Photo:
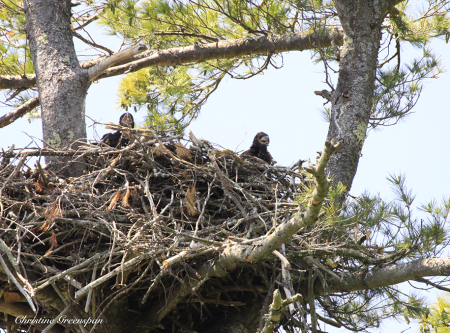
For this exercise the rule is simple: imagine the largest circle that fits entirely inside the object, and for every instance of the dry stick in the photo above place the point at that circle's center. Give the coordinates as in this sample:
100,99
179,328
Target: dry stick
204,206
90,19
80,293
149,196
121,292
150,222
287,284
65,300
68,271
153,285
312,307
18,166
227,181
284,261
87,41
185,255
293,299
46,269
312,262
13,279
13,262
198,239
55,321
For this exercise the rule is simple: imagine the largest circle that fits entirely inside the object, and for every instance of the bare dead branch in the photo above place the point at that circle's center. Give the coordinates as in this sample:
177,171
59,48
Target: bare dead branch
102,66
10,117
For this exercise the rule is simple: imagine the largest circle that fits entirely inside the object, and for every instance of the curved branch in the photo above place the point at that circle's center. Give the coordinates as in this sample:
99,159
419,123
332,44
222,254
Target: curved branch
19,112
90,19
87,41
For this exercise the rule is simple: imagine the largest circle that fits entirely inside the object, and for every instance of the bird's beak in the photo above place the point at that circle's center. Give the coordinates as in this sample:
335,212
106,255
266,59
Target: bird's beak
264,140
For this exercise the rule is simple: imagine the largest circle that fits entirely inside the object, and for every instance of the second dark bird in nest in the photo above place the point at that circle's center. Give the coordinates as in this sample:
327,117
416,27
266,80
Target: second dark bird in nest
259,148
119,139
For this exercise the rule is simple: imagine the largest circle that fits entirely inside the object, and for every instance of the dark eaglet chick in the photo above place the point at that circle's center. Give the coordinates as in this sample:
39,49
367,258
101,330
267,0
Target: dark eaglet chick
259,148
118,139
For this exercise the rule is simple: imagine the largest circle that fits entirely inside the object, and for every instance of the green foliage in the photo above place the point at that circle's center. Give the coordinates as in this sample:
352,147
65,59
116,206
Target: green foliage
171,95
437,318
398,90
418,27
393,230
15,58
425,237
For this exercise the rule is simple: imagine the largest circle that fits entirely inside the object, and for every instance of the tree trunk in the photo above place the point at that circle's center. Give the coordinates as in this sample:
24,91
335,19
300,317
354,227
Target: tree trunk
353,98
61,82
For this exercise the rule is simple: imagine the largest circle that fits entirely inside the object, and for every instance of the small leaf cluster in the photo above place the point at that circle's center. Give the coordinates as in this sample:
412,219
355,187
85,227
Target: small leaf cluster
437,319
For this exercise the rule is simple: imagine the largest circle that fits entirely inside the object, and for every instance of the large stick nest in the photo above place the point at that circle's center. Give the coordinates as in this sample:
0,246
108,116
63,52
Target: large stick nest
141,220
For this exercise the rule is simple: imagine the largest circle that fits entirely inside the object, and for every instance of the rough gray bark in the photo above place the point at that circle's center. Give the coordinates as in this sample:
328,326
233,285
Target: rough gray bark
62,83
352,99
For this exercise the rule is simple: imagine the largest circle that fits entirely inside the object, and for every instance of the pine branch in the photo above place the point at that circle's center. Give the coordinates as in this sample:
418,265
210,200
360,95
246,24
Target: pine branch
227,49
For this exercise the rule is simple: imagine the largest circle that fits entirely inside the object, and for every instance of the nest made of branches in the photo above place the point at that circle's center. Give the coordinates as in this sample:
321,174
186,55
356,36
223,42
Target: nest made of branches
142,218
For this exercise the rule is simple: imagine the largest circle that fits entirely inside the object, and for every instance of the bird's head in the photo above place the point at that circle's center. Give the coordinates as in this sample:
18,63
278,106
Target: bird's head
261,139
127,120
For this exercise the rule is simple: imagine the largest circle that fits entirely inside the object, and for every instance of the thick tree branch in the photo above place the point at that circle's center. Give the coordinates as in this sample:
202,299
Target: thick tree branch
189,54
19,112
229,49
17,81
386,276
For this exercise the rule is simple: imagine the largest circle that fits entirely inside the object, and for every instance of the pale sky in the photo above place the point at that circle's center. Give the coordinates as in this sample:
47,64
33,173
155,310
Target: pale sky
282,103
